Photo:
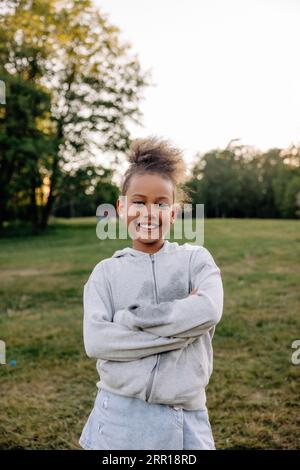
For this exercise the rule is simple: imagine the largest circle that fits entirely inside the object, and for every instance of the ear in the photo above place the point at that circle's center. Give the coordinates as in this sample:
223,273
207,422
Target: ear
173,213
119,209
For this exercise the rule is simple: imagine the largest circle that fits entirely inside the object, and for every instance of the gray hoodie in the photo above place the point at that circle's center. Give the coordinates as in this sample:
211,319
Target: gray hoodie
151,340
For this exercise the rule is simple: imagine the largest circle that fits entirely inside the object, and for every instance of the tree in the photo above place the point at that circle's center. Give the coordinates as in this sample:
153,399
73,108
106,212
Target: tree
218,183
68,48
83,189
291,200
24,148
241,181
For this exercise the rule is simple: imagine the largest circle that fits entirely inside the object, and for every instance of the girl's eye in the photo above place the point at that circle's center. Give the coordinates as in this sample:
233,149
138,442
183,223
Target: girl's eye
161,204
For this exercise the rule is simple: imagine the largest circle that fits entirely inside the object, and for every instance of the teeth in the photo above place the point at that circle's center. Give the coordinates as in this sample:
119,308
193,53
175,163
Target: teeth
147,226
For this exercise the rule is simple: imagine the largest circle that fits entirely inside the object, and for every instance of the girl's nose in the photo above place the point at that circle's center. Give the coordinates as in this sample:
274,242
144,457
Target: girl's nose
152,212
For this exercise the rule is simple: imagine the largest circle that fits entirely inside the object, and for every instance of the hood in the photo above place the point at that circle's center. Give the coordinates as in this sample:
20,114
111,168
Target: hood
128,251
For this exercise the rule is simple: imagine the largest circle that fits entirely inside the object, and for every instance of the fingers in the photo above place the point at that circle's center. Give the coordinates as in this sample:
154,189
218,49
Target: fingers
193,291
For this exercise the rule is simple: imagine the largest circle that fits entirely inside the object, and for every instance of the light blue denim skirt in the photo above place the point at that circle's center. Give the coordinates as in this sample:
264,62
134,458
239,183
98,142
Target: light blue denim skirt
118,422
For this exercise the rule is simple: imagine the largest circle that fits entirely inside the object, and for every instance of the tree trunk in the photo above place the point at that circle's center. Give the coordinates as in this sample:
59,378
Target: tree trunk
33,208
49,204
54,177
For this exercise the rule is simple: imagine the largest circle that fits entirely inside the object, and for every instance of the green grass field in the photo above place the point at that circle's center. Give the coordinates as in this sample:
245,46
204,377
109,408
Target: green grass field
253,395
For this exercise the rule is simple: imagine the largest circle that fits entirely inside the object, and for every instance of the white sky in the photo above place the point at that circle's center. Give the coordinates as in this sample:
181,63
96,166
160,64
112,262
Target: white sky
223,69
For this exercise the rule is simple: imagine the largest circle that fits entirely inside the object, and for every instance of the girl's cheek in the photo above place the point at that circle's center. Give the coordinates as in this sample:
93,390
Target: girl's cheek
166,219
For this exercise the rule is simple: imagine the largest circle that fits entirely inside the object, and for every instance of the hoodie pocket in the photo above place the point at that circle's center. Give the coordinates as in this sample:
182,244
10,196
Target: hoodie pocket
127,378
199,353
196,353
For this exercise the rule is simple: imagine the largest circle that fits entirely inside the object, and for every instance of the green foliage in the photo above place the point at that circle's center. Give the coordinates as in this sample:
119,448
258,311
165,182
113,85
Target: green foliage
25,147
82,190
291,201
240,181
85,89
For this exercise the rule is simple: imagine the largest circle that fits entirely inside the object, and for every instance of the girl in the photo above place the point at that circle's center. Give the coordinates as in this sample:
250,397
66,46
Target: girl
150,313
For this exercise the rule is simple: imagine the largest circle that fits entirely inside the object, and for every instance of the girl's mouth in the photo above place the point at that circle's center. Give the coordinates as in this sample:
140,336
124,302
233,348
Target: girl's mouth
147,227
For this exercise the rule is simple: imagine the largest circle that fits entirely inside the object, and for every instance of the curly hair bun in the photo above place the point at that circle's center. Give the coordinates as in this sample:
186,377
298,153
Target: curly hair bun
159,155
156,155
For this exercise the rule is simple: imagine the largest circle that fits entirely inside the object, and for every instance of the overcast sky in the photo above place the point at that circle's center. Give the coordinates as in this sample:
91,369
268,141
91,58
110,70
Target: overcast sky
224,69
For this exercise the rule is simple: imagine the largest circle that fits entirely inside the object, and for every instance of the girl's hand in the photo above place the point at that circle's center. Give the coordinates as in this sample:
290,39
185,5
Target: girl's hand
194,291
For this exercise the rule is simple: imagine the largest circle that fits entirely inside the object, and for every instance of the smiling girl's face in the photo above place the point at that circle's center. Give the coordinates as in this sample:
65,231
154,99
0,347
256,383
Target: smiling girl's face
146,222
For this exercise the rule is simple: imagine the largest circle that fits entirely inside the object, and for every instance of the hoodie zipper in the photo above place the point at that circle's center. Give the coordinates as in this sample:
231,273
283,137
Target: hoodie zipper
150,382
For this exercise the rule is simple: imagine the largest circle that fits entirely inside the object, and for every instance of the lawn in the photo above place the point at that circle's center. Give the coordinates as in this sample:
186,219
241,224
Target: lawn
253,395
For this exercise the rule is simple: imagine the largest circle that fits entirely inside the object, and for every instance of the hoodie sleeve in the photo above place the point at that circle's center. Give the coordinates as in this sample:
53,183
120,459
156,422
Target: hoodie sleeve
186,318
104,339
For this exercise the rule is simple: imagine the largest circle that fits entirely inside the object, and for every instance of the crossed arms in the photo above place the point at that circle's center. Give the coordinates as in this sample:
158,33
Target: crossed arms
139,331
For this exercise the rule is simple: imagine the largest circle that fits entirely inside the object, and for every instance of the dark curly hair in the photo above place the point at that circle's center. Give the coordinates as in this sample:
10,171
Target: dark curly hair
157,155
